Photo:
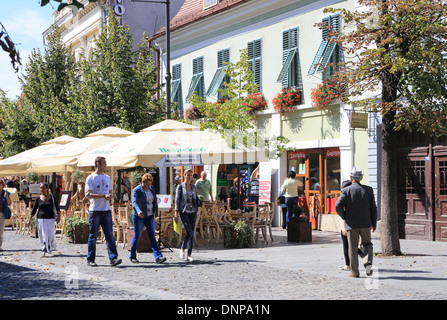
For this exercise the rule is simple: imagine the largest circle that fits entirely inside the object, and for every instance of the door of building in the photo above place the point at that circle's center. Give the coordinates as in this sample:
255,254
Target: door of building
318,170
440,198
422,204
414,202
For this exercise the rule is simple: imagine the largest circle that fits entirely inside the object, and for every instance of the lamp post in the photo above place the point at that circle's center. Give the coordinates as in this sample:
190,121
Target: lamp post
168,55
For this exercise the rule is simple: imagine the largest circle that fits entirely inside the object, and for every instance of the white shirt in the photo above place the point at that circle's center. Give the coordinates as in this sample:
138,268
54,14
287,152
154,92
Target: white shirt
150,204
98,184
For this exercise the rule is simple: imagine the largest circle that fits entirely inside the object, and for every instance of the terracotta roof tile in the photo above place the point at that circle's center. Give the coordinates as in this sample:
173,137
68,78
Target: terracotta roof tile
192,11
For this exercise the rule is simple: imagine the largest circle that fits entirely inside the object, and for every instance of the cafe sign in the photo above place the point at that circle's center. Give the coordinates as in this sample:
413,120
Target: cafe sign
359,120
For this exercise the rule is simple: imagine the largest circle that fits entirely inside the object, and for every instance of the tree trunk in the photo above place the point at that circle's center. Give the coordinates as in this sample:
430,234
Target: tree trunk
389,230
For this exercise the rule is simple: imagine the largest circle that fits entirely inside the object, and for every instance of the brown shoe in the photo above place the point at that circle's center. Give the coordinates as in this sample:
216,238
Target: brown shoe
354,276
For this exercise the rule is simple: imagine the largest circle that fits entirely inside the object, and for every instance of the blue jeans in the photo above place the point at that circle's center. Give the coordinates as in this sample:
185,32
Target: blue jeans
138,224
103,219
291,202
189,223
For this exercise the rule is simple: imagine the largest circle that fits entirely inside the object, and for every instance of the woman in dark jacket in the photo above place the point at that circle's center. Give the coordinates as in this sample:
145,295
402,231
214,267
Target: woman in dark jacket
47,210
186,206
145,210
5,213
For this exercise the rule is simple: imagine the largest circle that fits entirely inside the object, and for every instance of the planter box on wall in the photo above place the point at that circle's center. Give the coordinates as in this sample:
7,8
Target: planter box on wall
144,245
299,231
80,234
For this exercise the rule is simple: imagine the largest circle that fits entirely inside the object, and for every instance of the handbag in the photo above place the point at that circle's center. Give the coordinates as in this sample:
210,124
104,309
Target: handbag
281,200
54,209
198,202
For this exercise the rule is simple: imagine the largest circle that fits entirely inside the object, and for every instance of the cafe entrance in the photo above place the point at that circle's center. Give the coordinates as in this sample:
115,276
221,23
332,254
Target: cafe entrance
318,170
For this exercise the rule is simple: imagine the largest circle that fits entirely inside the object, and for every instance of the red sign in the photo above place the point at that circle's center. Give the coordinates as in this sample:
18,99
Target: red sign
333,153
296,155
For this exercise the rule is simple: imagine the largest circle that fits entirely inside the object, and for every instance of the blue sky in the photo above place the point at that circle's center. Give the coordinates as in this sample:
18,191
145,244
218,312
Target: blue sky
25,21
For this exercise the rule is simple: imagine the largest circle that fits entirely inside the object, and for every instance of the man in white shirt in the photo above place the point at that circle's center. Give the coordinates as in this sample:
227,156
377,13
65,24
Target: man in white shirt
98,188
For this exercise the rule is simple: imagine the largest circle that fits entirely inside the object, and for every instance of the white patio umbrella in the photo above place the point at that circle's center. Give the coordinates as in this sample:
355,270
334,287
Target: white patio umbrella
19,163
169,137
66,156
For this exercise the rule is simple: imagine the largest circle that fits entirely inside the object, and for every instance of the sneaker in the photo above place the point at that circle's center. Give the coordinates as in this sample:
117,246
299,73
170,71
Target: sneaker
92,263
190,259
368,269
134,260
160,260
115,262
182,254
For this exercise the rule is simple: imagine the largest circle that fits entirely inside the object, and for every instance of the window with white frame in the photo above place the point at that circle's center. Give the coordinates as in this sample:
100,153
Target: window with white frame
290,74
176,90
328,53
255,60
197,83
219,77
209,3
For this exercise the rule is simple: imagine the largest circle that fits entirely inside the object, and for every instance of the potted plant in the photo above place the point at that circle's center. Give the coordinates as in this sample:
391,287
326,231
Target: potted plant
287,100
32,177
77,229
144,245
78,176
192,113
324,93
238,235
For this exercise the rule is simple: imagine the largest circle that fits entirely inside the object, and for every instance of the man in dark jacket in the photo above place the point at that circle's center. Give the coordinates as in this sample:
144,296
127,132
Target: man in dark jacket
357,206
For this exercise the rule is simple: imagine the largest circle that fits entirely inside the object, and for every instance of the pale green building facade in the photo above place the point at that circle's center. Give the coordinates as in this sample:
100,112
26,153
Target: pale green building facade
322,143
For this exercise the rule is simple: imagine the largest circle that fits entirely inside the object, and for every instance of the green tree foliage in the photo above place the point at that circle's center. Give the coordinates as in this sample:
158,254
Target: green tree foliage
116,83
395,49
45,89
114,87
232,113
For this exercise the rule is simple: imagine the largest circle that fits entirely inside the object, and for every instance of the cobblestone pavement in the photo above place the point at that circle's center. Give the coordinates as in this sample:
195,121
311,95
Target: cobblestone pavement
279,271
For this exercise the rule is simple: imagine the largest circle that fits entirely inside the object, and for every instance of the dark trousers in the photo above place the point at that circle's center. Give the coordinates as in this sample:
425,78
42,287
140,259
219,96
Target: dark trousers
103,219
189,223
291,202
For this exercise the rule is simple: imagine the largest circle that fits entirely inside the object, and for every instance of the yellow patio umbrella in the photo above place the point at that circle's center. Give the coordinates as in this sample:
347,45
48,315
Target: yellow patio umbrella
66,156
19,163
172,138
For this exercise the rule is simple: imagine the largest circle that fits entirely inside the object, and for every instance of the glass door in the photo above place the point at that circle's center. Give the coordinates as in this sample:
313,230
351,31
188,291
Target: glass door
313,184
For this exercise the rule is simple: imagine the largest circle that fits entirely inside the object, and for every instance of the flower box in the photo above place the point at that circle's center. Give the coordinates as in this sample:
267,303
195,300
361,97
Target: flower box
287,100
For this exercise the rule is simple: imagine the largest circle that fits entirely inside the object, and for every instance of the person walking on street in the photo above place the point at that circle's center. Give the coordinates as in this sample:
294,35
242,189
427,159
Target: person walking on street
204,188
145,210
98,188
186,208
290,188
48,212
357,206
5,213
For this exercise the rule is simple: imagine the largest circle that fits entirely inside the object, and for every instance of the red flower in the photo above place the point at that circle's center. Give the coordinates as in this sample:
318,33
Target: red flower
287,100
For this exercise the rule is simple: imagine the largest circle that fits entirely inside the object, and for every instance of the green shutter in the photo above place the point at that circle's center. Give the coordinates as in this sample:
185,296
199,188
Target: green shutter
219,75
286,64
194,86
175,86
216,82
255,56
176,90
197,83
326,48
335,23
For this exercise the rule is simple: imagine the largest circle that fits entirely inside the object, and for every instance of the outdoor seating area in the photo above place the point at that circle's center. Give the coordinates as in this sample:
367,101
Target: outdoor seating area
67,161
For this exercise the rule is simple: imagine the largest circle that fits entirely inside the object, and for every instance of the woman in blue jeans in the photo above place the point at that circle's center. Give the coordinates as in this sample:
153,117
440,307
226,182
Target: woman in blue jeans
145,209
186,206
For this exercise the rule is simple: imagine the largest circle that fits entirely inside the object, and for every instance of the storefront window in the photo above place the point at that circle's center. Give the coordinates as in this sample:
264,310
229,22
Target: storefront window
333,169
297,163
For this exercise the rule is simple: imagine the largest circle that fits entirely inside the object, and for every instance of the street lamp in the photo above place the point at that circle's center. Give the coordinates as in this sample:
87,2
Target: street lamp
168,54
